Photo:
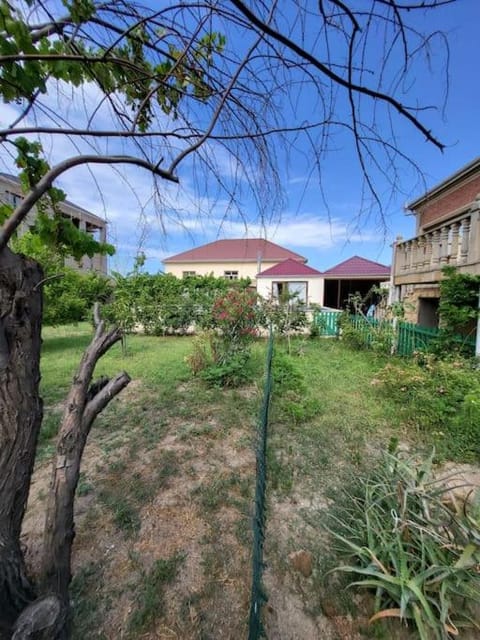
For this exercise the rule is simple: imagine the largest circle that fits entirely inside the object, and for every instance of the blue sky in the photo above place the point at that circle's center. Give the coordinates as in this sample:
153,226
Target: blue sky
174,219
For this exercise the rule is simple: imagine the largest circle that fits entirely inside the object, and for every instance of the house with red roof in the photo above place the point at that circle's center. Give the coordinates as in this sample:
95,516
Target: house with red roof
231,259
276,271
291,278
355,275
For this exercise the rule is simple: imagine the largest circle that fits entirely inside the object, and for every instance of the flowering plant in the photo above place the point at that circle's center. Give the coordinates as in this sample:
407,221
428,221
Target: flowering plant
235,316
223,354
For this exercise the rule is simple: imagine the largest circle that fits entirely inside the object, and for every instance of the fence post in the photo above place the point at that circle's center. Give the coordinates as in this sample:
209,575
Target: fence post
395,337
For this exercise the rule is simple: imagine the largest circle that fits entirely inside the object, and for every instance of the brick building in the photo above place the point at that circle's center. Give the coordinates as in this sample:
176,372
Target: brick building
447,233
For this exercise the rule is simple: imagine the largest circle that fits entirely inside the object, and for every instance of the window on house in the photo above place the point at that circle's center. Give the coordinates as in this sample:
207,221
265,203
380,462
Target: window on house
187,274
294,291
230,275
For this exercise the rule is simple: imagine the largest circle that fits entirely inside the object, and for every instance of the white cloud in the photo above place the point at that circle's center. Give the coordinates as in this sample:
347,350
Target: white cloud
153,215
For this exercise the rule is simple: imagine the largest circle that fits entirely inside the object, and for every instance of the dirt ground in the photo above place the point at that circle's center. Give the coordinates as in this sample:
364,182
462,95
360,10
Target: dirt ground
191,485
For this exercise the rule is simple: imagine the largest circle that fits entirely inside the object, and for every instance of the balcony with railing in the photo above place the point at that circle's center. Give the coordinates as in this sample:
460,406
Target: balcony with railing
456,243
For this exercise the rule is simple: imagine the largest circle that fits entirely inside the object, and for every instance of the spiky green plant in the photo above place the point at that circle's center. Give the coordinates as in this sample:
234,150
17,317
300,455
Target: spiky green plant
402,539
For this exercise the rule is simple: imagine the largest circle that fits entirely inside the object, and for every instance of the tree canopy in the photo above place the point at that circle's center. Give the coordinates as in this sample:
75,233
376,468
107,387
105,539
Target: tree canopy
186,82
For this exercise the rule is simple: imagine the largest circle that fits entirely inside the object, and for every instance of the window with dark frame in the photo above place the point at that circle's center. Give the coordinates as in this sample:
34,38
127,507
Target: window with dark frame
230,275
297,290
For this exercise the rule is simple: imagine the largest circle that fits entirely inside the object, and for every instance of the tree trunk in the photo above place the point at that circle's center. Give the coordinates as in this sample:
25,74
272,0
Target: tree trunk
20,421
20,418
59,525
85,401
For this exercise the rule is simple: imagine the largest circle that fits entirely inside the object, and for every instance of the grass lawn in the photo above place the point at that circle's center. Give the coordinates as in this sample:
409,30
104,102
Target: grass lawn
164,503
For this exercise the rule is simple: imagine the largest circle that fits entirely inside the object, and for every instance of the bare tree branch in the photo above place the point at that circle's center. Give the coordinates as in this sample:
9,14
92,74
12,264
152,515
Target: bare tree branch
377,95
45,183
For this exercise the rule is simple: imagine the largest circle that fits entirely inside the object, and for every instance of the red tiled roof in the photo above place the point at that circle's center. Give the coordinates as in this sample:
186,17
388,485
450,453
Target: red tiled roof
356,267
289,268
246,250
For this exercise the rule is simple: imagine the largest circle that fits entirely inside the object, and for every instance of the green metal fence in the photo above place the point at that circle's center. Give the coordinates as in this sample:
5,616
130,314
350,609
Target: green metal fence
327,322
411,337
405,337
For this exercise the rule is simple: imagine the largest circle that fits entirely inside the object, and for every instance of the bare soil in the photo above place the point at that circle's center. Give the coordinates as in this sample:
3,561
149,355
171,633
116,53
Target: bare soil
200,480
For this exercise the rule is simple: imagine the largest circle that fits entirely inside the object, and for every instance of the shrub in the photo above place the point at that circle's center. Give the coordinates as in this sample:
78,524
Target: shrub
362,333
439,398
162,304
221,355
71,296
458,310
402,542
235,316
233,371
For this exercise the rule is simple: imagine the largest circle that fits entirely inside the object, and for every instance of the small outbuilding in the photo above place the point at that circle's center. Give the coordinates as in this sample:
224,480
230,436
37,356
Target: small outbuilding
291,277
355,275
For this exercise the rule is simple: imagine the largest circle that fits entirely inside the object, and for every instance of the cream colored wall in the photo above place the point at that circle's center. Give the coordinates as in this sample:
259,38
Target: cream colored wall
245,269
315,288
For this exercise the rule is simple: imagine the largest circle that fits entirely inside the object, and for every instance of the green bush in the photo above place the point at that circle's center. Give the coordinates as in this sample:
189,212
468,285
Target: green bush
400,541
162,304
458,311
349,334
361,333
438,398
68,294
70,298
231,371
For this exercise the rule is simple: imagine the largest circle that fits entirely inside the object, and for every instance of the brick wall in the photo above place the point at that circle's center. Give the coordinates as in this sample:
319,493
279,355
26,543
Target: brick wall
454,200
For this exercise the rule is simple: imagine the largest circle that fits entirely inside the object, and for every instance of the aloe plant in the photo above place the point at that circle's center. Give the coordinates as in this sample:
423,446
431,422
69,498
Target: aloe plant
400,539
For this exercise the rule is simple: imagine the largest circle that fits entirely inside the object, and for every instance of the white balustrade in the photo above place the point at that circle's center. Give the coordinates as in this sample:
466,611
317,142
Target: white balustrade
449,244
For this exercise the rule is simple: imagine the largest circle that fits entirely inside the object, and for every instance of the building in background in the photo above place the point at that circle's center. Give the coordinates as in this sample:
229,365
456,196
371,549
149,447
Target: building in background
230,259
353,276
11,193
447,233
291,279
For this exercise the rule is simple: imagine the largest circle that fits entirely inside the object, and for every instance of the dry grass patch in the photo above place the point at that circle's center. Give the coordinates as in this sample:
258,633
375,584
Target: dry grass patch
163,510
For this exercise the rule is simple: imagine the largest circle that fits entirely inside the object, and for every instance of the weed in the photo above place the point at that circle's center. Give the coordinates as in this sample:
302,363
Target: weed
149,600
118,466
83,487
439,398
168,467
125,515
280,472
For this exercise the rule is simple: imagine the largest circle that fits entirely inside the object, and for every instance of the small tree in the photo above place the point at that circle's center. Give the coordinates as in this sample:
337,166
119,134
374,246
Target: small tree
285,314
222,353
